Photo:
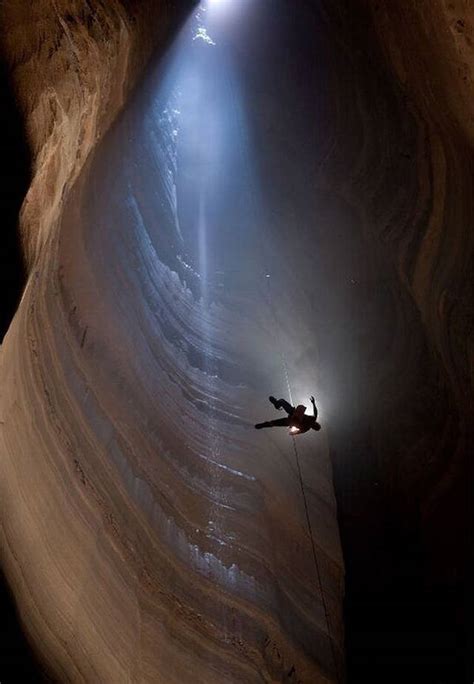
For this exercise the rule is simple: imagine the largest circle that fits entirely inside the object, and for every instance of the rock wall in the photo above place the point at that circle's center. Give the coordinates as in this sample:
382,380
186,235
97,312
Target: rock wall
400,155
430,49
145,534
72,65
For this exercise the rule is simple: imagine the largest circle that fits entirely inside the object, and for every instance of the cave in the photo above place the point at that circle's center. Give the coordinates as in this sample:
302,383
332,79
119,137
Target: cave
207,204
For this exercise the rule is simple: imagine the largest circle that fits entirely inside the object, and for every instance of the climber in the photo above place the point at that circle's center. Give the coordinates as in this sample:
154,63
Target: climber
297,420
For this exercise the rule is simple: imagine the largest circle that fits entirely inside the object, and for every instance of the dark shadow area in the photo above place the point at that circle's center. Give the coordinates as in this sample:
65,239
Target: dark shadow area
401,625
15,164
17,662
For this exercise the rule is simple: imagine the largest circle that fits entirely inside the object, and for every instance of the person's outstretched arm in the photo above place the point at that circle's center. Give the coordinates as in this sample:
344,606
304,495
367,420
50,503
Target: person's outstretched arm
315,410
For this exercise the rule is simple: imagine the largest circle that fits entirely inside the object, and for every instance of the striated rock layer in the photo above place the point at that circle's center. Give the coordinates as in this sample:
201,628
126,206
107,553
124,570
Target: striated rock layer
148,532
72,65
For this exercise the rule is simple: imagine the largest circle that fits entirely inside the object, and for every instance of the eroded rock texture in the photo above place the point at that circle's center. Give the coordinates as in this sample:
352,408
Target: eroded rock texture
147,531
73,64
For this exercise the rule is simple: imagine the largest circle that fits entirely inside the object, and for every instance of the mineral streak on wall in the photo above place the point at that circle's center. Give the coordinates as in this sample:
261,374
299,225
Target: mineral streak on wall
146,533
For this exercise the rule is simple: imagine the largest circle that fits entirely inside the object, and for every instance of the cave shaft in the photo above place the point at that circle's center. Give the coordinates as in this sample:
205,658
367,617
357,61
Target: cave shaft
171,538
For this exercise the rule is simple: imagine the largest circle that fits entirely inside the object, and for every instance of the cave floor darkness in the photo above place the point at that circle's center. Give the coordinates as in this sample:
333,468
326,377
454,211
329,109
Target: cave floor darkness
397,630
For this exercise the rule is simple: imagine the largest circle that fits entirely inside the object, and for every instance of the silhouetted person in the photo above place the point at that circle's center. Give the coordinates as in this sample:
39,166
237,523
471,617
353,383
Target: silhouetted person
297,420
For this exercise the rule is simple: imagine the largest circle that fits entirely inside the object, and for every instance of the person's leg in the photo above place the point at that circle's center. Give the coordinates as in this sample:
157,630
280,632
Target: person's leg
282,403
280,422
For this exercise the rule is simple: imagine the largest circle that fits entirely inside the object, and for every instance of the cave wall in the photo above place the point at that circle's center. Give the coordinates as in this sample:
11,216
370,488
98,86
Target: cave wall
429,47
136,549
72,66
406,173
401,157
414,189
